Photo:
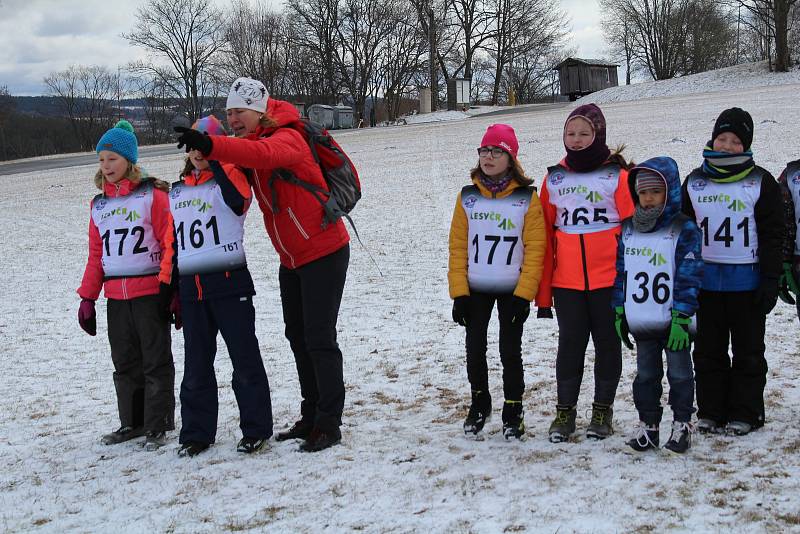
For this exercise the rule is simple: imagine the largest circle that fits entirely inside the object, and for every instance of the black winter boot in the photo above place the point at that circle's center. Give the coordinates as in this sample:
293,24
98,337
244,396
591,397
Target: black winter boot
600,425
563,425
645,437
480,411
513,420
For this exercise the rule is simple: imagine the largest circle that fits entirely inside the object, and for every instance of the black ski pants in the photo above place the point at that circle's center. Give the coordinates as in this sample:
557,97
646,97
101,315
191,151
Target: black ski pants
144,374
233,317
730,390
311,295
480,312
581,314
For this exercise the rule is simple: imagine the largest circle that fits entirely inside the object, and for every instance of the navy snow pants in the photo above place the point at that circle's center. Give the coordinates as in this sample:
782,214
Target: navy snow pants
234,318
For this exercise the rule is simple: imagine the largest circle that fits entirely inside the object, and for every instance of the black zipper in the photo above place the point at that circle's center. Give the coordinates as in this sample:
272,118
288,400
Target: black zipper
583,261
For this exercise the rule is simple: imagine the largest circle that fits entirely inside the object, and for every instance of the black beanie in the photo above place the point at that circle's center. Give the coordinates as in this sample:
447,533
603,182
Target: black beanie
737,121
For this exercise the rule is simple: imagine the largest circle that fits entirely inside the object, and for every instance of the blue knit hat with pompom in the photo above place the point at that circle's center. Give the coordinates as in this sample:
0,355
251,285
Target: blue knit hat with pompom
120,139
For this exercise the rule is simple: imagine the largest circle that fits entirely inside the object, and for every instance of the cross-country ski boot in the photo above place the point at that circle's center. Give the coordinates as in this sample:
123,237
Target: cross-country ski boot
480,411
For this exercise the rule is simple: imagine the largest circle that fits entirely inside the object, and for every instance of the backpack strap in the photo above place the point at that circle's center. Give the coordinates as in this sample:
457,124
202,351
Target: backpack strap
330,206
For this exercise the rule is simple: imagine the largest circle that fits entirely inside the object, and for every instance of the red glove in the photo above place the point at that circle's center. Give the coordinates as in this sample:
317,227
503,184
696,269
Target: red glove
87,317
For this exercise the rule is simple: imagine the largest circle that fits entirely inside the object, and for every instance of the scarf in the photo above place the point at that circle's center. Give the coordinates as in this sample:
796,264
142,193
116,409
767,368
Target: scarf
644,219
723,167
496,185
589,158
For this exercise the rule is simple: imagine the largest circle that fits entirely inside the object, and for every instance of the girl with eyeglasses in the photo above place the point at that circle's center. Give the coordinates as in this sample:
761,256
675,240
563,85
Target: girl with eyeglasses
497,244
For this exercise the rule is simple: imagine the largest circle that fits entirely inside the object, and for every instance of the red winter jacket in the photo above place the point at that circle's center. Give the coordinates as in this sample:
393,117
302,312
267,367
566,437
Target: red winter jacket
135,286
295,224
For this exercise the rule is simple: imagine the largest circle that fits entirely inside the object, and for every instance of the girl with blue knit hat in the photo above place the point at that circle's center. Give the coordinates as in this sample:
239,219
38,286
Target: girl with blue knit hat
209,205
738,207
130,257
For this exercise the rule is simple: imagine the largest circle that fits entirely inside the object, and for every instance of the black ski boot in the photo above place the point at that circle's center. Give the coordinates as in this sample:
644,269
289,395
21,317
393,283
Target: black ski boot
513,420
480,411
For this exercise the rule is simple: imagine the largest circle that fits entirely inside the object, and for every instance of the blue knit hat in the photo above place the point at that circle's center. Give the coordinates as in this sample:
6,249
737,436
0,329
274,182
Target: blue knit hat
120,139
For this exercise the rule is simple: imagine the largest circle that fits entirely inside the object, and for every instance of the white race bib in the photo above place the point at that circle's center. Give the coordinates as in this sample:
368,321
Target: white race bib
725,213
209,236
130,247
495,238
793,182
584,201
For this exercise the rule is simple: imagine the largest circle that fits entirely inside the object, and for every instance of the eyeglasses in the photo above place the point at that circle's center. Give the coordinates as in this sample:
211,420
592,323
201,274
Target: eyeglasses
496,152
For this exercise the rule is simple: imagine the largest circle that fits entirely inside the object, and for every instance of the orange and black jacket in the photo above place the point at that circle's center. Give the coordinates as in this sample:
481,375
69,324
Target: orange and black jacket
581,261
237,195
533,239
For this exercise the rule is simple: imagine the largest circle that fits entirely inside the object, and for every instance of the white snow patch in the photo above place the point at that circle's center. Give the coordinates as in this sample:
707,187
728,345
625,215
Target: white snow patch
404,465
736,78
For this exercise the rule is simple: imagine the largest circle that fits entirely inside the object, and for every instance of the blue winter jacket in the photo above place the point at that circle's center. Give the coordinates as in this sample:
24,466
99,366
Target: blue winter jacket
688,258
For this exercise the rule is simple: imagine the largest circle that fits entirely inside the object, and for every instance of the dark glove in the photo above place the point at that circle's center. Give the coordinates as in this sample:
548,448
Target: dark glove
193,140
766,296
679,332
520,310
787,284
544,313
170,304
461,310
621,325
175,310
87,317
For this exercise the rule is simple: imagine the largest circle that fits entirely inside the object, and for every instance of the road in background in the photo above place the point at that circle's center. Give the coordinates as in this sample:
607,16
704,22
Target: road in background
76,160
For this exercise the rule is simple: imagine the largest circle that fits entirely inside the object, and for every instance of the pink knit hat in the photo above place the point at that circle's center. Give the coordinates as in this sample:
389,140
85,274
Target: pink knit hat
501,136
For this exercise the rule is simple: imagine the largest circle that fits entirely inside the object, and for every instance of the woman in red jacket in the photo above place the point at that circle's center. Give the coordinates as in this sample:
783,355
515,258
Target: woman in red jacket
130,256
313,255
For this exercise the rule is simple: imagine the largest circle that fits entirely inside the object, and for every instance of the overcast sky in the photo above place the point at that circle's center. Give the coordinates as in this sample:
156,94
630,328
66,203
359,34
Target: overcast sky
38,37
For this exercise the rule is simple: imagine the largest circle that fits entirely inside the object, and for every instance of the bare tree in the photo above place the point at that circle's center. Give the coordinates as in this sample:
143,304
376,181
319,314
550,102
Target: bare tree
668,38
159,107
186,34
87,96
401,57
365,25
526,31
256,46
316,29
771,18
6,109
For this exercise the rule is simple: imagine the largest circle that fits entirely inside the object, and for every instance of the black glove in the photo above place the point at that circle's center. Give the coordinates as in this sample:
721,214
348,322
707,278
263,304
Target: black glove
544,313
766,296
461,310
520,309
193,140
164,298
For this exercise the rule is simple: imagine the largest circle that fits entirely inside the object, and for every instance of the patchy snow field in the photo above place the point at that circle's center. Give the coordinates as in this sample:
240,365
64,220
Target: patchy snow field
404,465
745,76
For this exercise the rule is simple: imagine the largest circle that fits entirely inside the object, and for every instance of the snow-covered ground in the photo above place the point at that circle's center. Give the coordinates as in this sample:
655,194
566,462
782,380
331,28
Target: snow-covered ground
738,77
404,465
